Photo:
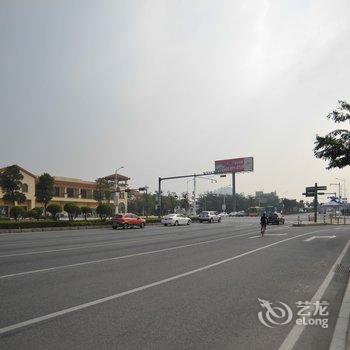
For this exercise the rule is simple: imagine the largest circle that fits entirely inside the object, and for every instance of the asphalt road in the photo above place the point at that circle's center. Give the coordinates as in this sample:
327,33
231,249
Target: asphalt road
187,287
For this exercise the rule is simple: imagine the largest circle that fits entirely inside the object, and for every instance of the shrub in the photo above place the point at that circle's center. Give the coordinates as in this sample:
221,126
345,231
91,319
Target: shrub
104,210
35,213
17,212
85,211
53,209
72,209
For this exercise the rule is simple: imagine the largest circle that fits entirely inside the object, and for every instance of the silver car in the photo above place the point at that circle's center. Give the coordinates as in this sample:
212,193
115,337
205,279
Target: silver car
209,216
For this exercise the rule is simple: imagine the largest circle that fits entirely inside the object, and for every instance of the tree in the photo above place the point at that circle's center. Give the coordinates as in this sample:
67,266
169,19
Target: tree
11,184
53,209
184,201
16,212
85,211
335,146
35,213
104,210
72,210
103,189
45,189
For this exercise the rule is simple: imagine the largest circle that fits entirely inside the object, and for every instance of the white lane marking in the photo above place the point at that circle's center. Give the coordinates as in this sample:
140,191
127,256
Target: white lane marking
120,257
138,289
269,234
163,238
341,327
316,237
296,331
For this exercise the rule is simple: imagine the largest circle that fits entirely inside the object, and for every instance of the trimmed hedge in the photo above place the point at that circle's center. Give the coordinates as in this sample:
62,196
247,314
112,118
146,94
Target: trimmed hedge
42,224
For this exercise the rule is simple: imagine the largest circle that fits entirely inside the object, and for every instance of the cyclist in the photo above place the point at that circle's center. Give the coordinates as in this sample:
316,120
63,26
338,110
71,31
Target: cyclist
263,223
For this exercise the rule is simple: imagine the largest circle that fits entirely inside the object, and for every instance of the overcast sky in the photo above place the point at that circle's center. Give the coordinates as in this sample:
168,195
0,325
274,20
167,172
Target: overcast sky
167,87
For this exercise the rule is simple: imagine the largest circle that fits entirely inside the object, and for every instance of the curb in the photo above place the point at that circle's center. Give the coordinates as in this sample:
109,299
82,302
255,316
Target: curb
309,225
341,327
62,228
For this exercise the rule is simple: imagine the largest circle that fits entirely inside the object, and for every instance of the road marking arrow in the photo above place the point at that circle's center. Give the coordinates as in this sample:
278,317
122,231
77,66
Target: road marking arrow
315,237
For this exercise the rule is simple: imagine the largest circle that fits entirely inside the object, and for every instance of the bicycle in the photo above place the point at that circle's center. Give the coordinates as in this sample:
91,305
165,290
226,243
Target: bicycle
263,229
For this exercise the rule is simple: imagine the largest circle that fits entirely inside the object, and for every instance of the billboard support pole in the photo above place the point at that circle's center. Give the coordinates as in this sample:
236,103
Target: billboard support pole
194,196
234,191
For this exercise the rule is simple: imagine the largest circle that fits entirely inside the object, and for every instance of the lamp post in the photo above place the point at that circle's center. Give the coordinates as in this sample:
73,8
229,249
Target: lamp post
116,197
344,188
339,194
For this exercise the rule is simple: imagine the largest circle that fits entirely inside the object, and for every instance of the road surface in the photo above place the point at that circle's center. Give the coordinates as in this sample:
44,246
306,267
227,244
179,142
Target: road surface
187,287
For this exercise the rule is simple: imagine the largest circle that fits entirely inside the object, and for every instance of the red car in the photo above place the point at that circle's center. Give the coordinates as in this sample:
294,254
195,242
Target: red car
127,220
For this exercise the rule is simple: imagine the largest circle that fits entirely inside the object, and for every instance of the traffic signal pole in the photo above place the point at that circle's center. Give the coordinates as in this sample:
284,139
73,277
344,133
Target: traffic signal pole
315,202
160,179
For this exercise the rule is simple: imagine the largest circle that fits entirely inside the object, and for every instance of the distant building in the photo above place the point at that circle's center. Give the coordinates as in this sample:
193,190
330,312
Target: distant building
67,190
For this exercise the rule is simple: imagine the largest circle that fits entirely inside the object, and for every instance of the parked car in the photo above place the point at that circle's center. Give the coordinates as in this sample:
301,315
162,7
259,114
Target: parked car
209,216
275,219
127,220
175,220
223,215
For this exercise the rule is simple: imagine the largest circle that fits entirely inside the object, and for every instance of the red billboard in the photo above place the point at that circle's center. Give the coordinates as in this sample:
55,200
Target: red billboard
235,165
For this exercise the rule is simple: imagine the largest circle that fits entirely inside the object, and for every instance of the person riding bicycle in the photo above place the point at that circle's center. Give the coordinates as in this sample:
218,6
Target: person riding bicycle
263,223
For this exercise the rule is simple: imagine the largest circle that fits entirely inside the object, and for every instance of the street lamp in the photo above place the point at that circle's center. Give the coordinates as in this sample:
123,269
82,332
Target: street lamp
344,189
116,189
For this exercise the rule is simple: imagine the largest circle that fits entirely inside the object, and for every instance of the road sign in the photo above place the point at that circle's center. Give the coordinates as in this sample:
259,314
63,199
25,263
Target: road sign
309,194
312,189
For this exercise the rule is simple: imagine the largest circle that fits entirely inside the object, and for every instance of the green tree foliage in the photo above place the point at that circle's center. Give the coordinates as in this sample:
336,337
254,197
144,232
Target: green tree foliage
72,210
103,190
105,210
35,213
335,146
170,202
53,209
45,189
11,185
185,201
290,205
85,211
142,204
16,212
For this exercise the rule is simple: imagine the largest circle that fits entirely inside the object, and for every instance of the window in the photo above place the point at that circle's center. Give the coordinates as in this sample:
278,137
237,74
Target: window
70,192
25,188
83,193
121,195
57,192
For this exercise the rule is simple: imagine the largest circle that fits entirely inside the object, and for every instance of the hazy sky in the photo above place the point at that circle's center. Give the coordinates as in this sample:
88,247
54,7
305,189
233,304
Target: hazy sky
166,87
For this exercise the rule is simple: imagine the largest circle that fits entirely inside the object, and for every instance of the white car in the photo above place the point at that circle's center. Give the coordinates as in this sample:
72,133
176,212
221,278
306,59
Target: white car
175,220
